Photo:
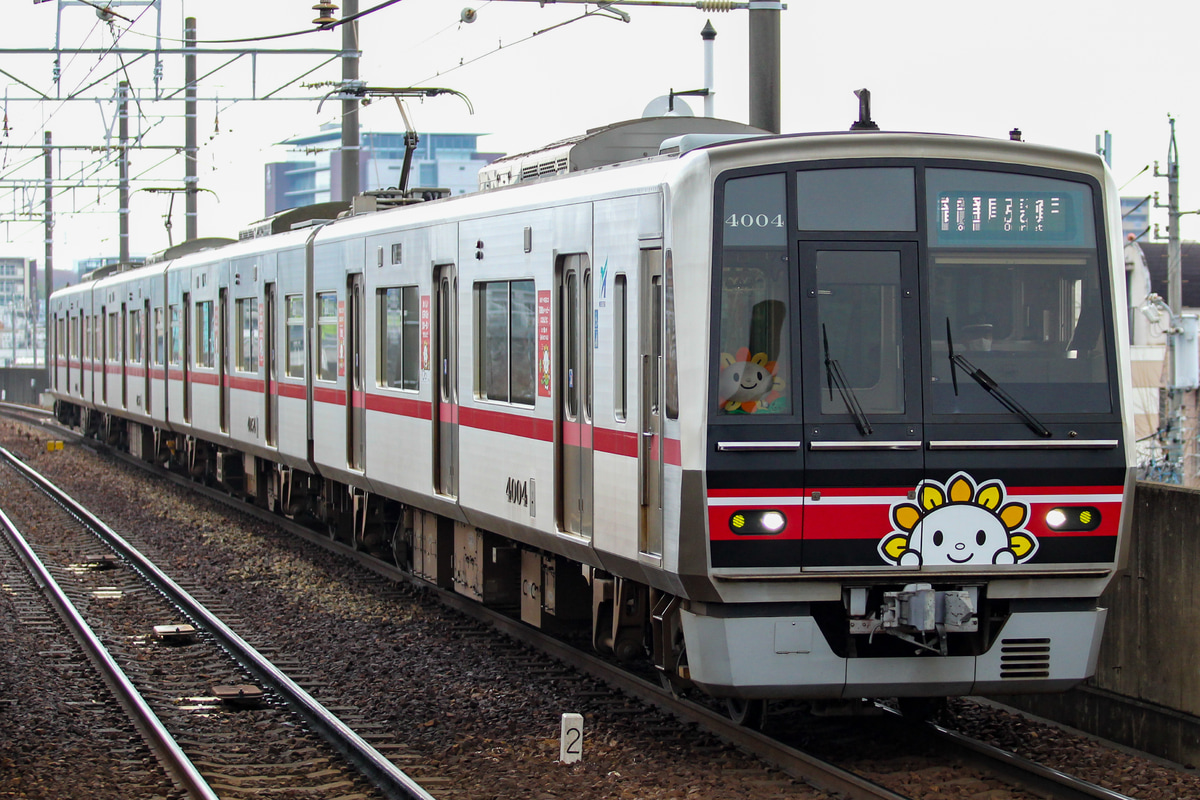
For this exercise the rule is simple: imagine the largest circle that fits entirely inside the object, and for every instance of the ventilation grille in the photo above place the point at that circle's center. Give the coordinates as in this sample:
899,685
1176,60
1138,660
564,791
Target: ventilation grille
1024,658
543,168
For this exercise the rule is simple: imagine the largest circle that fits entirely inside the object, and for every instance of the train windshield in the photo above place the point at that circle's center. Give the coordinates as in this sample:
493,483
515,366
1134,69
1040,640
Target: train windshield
1006,266
1014,287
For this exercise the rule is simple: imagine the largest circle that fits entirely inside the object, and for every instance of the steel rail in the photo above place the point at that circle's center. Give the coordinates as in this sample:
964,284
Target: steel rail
1029,773
383,773
165,748
802,766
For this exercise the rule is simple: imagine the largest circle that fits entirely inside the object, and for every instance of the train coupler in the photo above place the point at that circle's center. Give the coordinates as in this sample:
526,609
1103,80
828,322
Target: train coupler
918,613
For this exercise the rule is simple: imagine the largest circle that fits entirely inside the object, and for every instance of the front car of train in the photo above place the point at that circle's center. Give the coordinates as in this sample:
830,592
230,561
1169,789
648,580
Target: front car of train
917,467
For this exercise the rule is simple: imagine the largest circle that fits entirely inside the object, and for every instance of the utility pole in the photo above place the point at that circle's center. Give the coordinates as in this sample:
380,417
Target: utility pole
123,168
350,81
191,226
764,64
48,265
1174,422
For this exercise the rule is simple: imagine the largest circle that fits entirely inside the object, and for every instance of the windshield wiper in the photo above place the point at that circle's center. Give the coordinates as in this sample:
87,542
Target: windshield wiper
990,386
833,373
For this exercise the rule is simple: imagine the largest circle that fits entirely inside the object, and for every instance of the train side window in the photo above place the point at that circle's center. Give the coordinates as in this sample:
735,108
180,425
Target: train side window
176,339
135,336
246,323
205,342
327,336
754,354
160,346
114,337
620,346
400,337
671,370
294,304
507,325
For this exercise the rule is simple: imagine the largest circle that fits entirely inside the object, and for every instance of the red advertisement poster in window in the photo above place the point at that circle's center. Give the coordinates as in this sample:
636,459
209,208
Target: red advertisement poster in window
425,333
341,333
543,334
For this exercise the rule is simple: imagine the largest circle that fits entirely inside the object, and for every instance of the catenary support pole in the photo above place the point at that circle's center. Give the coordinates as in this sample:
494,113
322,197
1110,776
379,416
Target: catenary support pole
190,150
123,168
350,136
48,262
764,64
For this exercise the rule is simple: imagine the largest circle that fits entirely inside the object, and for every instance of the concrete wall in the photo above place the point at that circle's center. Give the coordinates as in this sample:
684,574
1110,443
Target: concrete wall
22,384
1146,691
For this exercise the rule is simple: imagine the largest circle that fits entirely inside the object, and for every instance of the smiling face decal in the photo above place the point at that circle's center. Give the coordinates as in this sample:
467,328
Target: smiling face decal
958,523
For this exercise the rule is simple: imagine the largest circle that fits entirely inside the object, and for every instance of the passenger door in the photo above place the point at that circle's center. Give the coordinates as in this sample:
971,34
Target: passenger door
862,399
445,440
574,435
272,373
650,445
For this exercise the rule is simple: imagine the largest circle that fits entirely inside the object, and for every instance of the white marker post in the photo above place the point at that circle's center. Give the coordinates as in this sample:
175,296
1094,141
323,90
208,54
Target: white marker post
570,746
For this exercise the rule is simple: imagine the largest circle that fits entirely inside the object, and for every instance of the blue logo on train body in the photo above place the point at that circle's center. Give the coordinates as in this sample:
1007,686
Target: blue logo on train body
604,280
958,523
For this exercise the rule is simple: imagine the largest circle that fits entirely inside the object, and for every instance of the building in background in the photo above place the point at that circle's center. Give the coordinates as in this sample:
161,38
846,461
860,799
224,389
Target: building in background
1146,270
445,160
1135,218
19,310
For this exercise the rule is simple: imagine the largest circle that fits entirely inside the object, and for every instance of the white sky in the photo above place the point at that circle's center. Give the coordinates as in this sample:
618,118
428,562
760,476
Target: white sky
1061,70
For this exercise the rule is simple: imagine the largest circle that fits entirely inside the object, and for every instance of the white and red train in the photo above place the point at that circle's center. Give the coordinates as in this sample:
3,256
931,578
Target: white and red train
824,416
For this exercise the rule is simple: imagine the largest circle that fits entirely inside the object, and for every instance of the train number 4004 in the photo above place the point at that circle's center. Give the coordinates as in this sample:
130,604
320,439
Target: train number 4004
518,492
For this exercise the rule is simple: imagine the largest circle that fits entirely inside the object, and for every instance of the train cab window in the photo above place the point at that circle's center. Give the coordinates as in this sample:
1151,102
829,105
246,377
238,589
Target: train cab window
754,355
294,305
507,324
176,337
832,199
859,324
327,336
206,346
1015,288
400,337
247,343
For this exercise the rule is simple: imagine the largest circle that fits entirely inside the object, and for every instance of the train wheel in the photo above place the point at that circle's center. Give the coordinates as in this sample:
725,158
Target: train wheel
747,713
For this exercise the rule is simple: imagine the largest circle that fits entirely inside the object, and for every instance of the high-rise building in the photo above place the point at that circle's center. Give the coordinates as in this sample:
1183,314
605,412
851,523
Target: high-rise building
445,160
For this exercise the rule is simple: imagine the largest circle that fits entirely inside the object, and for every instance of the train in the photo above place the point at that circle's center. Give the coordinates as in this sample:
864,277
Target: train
818,416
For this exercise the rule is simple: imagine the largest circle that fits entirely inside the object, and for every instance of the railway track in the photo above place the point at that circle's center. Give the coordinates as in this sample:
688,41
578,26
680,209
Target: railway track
781,755
180,678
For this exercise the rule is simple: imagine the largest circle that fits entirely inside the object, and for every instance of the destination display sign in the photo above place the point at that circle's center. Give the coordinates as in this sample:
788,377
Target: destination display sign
1005,216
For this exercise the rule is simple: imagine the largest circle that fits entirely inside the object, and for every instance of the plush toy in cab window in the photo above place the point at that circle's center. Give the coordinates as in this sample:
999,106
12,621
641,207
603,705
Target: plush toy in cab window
748,384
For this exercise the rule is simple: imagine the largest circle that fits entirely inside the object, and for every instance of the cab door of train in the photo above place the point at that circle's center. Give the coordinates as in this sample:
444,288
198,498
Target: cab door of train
445,390
861,368
574,434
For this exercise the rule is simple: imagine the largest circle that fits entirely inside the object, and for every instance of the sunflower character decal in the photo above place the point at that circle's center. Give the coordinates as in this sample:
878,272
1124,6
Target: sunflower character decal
958,523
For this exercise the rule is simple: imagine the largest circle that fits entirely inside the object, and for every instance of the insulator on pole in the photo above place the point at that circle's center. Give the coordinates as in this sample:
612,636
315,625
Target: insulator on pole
715,5
325,11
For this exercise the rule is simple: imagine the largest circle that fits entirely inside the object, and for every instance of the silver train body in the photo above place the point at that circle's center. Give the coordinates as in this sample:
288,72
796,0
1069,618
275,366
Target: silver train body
817,416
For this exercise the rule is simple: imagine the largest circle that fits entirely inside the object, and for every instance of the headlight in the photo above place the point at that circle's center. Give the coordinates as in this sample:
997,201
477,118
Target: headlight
1073,518
758,523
